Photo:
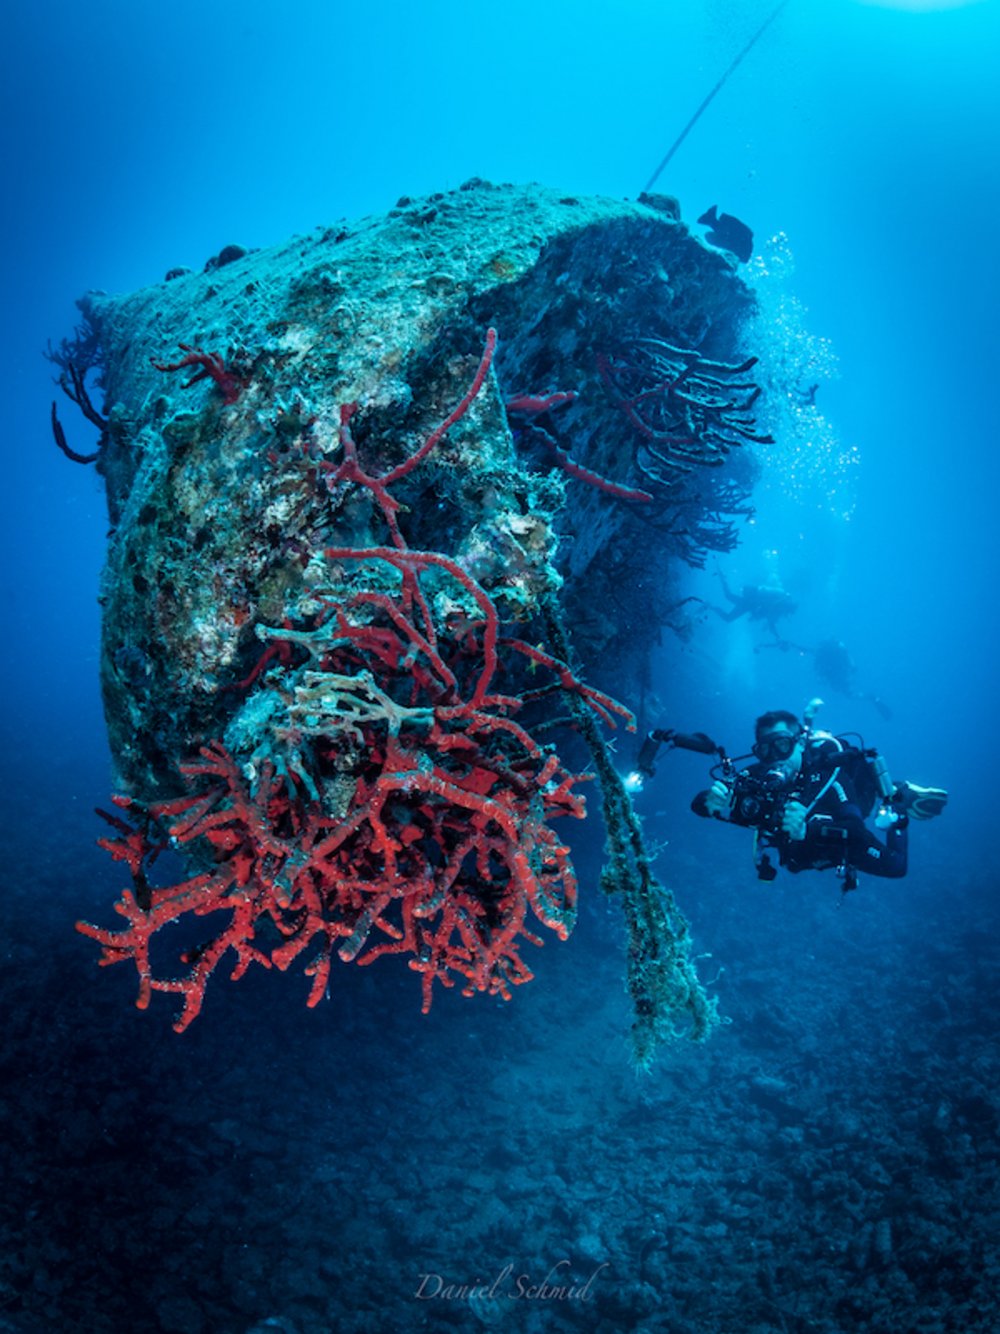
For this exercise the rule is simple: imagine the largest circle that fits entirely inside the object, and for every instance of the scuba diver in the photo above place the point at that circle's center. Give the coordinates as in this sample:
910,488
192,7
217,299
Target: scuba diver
807,797
760,602
833,664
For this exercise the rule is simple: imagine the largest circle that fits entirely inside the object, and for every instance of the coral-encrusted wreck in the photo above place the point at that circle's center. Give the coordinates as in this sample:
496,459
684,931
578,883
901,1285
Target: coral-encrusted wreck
393,504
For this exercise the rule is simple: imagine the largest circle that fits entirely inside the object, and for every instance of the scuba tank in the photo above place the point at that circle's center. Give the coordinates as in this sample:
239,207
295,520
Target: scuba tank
886,817
886,788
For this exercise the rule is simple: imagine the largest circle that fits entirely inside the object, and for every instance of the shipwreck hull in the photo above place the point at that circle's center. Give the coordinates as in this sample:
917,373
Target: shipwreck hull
389,502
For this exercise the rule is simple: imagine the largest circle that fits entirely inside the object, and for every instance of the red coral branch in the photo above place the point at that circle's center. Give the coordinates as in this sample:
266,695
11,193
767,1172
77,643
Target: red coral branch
537,405
279,651
583,474
414,562
443,847
455,415
212,367
349,469
534,405
600,702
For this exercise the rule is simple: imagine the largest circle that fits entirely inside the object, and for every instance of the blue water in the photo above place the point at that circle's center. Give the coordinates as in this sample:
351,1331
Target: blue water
829,1161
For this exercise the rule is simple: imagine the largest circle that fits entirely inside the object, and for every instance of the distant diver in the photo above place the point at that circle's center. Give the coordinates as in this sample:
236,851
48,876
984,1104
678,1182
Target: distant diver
834,665
759,602
728,233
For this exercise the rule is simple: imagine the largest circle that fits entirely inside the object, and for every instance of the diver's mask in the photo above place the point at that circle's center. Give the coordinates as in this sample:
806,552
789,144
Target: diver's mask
773,749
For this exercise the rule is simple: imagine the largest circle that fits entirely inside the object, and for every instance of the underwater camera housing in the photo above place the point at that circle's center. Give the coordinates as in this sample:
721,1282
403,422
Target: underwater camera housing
760,800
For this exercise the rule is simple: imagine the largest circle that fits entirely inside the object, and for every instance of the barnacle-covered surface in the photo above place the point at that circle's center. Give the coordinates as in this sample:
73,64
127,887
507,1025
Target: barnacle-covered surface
219,508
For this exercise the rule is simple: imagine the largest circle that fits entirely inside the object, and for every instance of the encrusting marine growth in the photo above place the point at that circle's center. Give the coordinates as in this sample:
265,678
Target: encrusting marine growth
368,559
444,843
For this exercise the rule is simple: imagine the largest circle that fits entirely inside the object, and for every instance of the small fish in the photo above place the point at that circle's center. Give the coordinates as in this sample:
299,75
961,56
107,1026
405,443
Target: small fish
728,233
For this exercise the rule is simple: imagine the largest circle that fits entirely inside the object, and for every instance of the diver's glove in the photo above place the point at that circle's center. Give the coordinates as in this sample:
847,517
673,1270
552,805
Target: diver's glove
793,821
719,799
890,818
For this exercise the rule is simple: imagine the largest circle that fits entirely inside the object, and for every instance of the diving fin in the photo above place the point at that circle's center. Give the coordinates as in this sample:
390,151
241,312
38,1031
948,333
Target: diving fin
920,803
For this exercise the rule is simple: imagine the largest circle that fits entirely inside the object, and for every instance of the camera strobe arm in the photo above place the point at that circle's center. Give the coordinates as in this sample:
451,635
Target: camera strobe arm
650,749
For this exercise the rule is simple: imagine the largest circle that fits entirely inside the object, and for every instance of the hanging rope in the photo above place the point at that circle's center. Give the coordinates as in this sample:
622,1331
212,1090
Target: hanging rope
697,115
669,1000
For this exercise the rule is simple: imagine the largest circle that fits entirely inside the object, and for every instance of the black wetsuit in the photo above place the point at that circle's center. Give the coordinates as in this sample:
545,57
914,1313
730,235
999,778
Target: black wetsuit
828,785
